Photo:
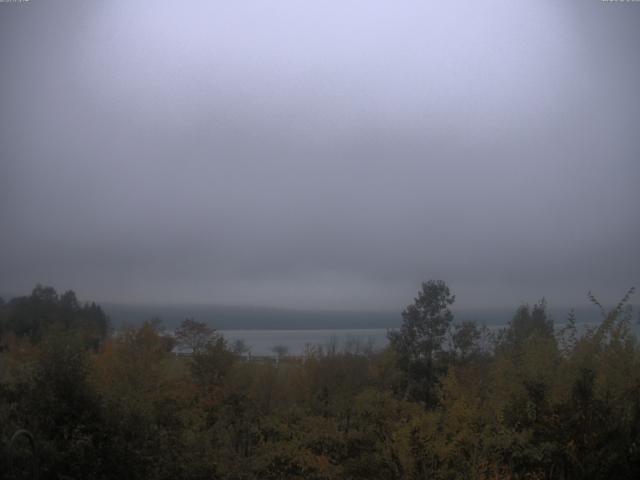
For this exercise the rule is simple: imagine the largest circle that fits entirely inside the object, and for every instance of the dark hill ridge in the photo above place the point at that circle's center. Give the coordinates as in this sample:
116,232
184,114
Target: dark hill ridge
265,318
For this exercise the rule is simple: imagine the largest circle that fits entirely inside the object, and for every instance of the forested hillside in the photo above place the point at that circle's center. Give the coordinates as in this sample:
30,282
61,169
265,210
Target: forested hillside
445,400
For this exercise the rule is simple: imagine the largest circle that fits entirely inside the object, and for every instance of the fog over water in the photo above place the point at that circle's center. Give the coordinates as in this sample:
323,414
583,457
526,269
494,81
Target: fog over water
320,155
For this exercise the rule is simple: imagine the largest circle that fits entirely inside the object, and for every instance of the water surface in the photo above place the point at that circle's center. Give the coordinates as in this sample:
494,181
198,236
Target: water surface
262,342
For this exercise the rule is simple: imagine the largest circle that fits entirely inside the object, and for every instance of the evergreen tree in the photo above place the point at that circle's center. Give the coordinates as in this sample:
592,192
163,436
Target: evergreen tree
418,344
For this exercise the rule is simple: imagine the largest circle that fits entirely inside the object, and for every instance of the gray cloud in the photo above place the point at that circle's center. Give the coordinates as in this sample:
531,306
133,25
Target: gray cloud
320,154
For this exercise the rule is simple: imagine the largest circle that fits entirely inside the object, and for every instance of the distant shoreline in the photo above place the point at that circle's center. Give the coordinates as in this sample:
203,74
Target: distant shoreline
253,318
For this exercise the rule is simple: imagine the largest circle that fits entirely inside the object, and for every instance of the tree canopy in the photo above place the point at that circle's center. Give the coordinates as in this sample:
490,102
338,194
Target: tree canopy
444,400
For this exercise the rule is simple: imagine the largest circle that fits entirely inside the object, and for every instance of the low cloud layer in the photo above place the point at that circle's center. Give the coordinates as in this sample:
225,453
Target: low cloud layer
320,154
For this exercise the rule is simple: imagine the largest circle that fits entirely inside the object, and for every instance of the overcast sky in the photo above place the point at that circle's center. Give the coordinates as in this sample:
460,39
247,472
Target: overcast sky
320,154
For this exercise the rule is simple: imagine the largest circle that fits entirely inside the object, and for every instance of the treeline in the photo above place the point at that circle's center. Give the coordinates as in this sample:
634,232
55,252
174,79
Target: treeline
443,401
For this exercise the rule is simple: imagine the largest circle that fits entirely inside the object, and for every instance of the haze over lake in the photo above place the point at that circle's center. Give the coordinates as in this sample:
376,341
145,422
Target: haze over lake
264,328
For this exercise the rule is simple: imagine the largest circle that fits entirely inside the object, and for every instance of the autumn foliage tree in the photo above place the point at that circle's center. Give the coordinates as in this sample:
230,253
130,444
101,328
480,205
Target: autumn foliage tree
193,336
533,402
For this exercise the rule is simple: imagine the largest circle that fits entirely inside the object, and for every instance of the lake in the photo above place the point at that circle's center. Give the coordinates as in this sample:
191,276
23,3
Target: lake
262,342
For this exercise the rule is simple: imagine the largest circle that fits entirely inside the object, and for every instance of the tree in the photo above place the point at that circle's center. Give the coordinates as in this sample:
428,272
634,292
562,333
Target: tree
34,315
63,410
240,348
418,343
194,336
466,340
3,319
211,363
526,323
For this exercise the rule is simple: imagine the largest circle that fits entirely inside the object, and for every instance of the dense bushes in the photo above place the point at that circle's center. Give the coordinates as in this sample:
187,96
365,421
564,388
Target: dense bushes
445,401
